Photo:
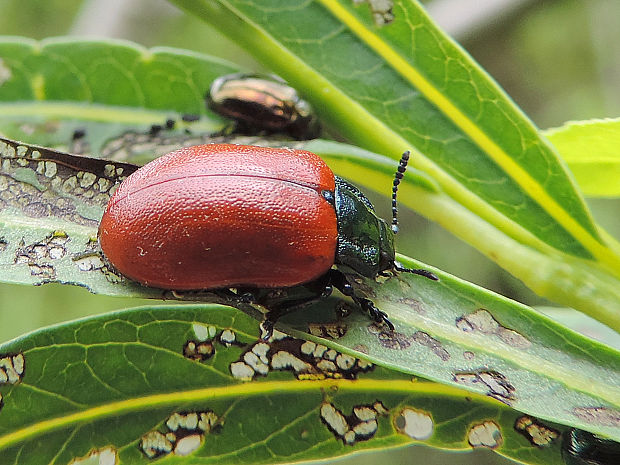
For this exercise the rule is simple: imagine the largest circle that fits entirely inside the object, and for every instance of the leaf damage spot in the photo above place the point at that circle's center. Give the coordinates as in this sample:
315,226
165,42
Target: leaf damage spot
414,304
12,368
605,416
306,359
228,338
485,434
535,431
204,332
360,284
105,456
44,271
188,444
388,338
5,72
362,348
483,322
89,261
494,383
155,444
3,244
204,347
185,433
328,330
53,247
198,351
398,341
361,425
35,255
41,183
426,340
91,258
242,371
381,10
416,424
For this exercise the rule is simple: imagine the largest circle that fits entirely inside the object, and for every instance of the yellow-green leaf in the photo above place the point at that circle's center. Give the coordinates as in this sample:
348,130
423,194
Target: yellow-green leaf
592,151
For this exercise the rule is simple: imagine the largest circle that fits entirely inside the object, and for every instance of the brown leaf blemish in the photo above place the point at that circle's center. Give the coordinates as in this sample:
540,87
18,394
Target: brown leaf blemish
361,425
328,330
483,322
495,384
12,368
306,359
485,434
535,431
605,416
426,340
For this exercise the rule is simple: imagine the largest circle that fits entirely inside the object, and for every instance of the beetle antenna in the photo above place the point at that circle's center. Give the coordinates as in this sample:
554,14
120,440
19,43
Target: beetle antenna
400,172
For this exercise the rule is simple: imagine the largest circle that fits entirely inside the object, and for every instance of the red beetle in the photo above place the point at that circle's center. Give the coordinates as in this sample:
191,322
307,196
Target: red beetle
217,216
233,216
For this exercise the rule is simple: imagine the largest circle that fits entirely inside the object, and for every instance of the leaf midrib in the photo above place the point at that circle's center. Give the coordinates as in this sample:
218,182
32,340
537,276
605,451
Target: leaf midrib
174,399
496,153
102,112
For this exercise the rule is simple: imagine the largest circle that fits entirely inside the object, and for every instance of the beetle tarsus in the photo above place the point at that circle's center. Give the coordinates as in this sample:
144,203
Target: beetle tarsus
377,315
267,326
327,291
340,282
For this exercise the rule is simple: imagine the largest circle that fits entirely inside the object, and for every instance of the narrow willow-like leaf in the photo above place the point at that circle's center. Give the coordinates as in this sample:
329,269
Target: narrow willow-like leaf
51,206
392,82
63,196
98,96
590,148
127,136
508,343
134,384
456,333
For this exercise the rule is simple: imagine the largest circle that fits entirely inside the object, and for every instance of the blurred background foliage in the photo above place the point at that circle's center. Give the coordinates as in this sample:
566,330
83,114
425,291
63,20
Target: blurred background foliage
558,59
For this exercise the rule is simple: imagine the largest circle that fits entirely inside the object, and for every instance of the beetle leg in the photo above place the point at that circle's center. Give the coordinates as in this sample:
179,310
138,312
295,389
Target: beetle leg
322,286
243,296
340,282
246,295
277,311
267,327
418,271
327,291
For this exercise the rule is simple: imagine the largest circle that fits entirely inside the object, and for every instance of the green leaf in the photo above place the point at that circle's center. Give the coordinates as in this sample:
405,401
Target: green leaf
51,206
118,383
112,91
395,83
69,199
590,148
456,333
124,133
583,324
451,331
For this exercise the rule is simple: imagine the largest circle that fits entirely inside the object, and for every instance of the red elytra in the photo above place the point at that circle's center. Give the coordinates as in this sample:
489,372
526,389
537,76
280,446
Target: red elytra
221,215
